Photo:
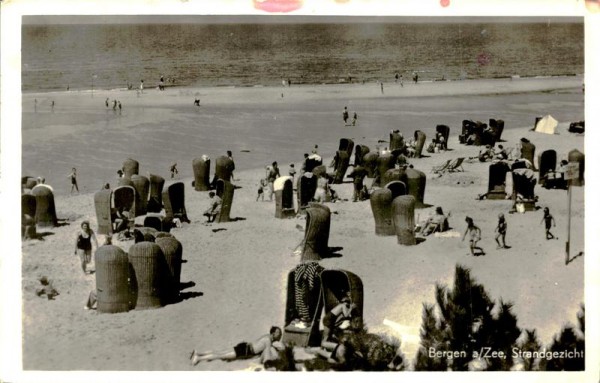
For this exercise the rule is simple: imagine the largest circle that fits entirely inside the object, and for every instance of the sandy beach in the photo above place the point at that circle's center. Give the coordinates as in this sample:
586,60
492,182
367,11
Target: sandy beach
240,268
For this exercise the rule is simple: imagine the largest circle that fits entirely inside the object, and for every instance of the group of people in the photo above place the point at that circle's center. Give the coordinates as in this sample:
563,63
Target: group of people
346,116
115,104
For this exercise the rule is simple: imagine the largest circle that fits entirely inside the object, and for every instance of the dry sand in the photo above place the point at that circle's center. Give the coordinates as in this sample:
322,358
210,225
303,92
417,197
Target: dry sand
241,270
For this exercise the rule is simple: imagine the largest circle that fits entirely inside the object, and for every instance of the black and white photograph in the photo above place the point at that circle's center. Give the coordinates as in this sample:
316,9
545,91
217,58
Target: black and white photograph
276,191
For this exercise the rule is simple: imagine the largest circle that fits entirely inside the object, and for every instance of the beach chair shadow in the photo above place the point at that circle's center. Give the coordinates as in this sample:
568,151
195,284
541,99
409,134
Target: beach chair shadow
185,285
188,295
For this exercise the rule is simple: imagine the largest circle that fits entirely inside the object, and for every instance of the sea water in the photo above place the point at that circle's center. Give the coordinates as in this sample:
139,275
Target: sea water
57,56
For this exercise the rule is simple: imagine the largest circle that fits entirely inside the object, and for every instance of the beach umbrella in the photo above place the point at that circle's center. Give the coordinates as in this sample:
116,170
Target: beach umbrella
381,203
578,157
546,124
155,202
201,167
225,191
403,213
316,233
45,210
141,185
112,280
150,274
284,197
130,167
173,251
415,183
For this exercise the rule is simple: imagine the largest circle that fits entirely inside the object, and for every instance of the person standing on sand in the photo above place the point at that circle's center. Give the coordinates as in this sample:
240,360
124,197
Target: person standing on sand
73,177
174,170
272,176
230,156
549,221
142,86
354,119
345,115
397,76
381,87
415,77
401,81
292,172
106,102
266,346
83,245
501,232
474,236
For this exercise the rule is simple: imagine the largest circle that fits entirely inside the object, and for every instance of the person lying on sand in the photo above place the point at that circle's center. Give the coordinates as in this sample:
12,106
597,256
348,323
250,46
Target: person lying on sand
343,356
266,346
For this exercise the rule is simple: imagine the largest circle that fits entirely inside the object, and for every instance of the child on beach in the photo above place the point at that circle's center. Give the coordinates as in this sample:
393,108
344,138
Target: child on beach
548,219
73,177
261,189
501,232
174,170
474,236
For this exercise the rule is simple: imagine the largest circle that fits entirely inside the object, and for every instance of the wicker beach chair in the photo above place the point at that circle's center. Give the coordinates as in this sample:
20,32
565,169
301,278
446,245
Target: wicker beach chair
497,127
394,175
420,138
342,166
497,180
173,253
546,164
444,130
141,185
284,197
346,145
304,299
225,191
124,198
316,233
403,213
150,274
397,188
113,289
385,162
130,167
370,163
381,203
416,181
359,153
528,151
397,141
578,157
28,208
174,201
201,168
102,204
307,185
223,168
45,210
157,184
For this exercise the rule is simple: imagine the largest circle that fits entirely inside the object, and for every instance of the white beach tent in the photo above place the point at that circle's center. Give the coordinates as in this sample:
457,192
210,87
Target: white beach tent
546,125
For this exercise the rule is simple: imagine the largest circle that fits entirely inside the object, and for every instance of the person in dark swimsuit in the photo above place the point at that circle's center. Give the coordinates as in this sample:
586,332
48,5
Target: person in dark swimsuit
73,177
83,245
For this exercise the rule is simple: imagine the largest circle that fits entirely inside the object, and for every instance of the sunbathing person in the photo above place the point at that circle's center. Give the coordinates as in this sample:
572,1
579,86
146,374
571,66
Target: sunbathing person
343,356
487,154
437,222
266,346
336,322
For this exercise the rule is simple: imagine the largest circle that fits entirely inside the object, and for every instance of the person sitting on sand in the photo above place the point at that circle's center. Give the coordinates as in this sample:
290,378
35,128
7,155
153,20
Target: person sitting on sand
437,222
502,155
214,207
121,218
342,356
266,346
83,245
337,321
474,236
486,154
